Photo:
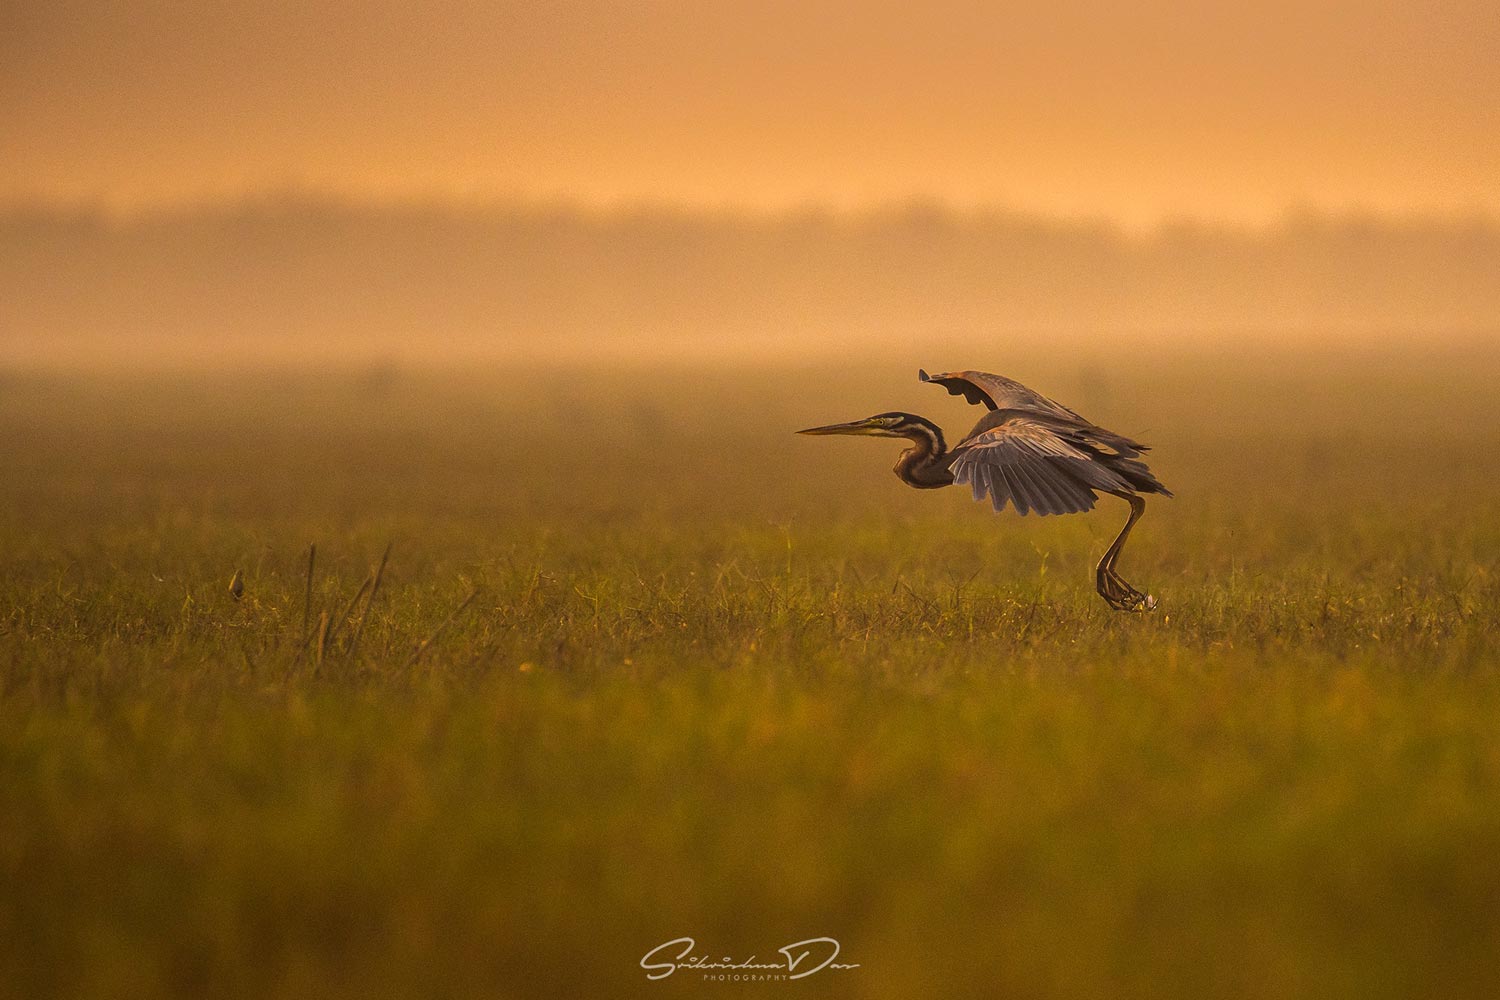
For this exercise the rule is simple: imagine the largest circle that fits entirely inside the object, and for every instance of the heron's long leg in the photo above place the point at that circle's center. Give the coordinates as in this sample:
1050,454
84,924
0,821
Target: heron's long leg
1120,595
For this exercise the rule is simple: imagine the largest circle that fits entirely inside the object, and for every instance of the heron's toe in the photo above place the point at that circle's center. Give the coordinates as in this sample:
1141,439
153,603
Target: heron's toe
1122,596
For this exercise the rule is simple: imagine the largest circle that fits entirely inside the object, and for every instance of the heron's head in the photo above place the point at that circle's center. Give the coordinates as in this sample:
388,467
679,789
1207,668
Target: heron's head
895,425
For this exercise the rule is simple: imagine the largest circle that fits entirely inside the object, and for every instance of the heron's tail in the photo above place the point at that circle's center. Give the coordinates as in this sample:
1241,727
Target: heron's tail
1139,476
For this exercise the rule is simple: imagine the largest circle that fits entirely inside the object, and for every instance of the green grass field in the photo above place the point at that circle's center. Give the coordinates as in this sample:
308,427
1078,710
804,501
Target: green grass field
723,682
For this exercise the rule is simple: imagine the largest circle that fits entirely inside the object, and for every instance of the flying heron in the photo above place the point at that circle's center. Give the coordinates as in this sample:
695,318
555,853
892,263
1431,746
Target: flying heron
1027,451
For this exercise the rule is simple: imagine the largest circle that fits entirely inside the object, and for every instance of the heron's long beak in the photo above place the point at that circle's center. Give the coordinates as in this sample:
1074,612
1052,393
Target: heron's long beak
866,426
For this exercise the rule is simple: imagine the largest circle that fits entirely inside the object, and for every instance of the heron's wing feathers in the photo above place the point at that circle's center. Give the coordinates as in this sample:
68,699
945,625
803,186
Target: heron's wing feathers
997,392
1087,437
1007,396
1030,465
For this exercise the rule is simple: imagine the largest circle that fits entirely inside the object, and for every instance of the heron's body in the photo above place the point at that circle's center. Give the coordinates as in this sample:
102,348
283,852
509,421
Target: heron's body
1027,451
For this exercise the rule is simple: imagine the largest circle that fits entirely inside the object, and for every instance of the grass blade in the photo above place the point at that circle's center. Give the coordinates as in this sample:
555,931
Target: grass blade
416,654
312,557
359,628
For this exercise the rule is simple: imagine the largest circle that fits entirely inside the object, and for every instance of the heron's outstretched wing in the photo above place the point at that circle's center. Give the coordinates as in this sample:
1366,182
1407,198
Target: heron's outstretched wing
1006,397
997,392
1030,465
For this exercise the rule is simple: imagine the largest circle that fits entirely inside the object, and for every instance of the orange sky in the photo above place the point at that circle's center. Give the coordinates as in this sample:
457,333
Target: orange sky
1129,110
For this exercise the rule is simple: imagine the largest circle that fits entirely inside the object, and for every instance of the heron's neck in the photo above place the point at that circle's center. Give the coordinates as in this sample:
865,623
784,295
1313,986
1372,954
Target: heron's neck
925,464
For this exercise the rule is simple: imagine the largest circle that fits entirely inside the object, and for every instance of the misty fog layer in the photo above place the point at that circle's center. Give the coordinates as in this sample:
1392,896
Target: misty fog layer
289,277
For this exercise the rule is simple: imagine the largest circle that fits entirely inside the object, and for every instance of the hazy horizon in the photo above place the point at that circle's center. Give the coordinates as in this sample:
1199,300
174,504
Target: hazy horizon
279,196
302,279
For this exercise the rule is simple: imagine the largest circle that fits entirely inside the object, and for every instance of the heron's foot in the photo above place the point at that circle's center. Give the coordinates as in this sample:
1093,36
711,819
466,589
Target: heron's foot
1120,595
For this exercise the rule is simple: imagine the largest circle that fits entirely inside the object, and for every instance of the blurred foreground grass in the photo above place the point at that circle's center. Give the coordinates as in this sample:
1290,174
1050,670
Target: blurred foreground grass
726,683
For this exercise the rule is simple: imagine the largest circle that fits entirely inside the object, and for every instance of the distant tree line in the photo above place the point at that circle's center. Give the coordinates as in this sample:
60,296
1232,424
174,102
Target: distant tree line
301,269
